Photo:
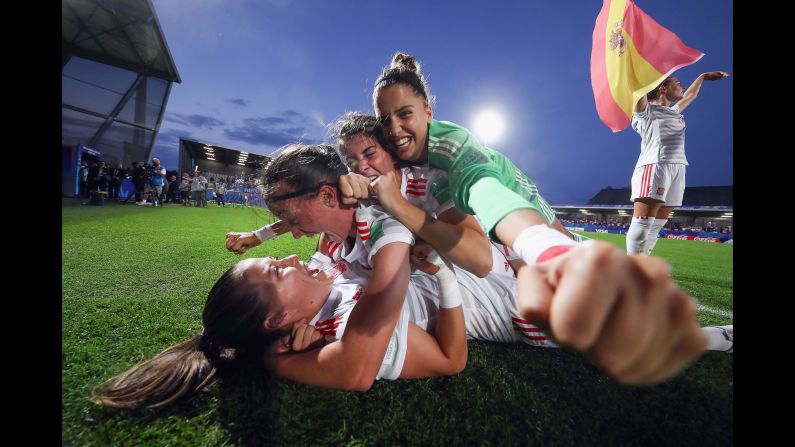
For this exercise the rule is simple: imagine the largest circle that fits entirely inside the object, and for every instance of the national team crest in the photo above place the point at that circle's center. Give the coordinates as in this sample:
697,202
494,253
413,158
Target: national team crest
660,191
617,41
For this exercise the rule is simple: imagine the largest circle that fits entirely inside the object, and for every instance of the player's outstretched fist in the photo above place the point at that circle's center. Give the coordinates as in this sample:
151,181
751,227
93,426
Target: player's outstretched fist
623,312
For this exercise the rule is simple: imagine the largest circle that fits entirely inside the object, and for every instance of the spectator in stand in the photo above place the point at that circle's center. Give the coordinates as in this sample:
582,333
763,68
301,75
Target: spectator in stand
157,181
173,189
199,188
83,185
219,194
185,189
211,188
117,174
137,175
93,177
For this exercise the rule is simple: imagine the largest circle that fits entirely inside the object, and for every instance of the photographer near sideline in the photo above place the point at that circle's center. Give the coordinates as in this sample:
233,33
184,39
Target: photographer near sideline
155,179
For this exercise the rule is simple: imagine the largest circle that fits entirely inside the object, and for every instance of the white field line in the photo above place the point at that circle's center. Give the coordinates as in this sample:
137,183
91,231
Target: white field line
722,313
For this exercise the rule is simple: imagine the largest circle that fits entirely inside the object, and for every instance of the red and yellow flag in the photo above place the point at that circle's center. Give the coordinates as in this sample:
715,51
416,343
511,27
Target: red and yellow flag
631,55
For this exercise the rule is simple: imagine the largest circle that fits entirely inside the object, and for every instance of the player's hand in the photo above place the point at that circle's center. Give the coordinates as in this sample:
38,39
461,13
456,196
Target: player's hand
305,336
387,188
238,243
423,265
354,187
715,75
421,249
623,312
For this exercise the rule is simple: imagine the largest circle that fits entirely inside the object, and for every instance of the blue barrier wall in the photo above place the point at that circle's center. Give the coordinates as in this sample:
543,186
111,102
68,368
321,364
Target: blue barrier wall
614,229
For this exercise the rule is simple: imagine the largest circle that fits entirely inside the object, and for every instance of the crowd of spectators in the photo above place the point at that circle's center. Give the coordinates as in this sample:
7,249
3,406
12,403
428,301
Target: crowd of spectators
709,226
152,186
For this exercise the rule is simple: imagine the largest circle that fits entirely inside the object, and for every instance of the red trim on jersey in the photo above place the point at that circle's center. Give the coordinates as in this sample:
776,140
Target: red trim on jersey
413,193
528,329
531,337
552,252
332,247
505,249
361,224
417,180
358,294
645,183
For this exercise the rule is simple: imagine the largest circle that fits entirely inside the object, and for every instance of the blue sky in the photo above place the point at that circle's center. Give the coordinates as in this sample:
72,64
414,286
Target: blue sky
257,74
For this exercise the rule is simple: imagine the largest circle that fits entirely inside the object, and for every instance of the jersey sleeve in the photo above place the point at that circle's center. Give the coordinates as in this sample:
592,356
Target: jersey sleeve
377,229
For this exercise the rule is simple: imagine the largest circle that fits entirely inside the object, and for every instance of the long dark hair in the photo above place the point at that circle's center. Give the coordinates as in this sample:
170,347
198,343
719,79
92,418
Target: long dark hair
233,316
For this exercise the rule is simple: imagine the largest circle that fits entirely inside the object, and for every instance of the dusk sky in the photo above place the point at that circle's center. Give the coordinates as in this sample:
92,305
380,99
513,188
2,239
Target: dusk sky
258,74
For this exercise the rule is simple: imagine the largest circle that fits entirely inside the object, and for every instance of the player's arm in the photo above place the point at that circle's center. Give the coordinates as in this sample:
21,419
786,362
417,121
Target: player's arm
690,94
443,352
642,104
353,362
455,235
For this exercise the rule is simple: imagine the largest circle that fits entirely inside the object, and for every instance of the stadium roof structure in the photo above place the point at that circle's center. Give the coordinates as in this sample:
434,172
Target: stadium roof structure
116,77
695,196
199,150
698,201
121,33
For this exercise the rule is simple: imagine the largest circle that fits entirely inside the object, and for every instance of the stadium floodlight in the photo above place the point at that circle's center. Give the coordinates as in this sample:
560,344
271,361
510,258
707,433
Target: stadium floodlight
489,126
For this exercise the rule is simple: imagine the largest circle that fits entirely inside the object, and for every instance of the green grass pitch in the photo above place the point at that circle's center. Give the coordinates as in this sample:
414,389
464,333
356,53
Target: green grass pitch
135,280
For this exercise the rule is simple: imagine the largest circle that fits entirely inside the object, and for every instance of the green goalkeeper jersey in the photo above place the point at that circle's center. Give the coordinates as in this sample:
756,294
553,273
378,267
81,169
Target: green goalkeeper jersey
453,149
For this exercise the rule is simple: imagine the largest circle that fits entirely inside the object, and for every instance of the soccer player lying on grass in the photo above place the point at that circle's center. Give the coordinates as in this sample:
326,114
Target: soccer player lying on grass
624,313
426,203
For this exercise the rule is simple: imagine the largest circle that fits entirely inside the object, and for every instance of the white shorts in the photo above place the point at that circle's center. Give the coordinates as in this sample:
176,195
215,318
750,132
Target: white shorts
664,182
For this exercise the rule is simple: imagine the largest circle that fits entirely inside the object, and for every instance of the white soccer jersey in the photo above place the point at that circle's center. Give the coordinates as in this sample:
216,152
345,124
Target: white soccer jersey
662,135
426,188
489,304
490,309
375,228
352,261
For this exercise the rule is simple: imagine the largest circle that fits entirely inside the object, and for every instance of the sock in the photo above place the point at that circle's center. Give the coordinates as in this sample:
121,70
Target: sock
654,233
717,339
637,234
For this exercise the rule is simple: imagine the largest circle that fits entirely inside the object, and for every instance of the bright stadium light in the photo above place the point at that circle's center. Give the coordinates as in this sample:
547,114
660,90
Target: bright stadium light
489,126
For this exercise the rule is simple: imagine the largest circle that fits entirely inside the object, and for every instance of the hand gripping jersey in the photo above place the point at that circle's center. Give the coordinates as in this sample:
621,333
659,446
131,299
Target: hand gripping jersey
429,190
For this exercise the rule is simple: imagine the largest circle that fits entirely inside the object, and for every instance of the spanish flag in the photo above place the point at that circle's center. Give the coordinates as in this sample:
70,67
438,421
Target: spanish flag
631,55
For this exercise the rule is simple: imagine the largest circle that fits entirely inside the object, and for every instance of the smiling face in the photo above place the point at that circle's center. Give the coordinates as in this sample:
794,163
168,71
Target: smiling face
367,157
295,292
405,118
313,214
